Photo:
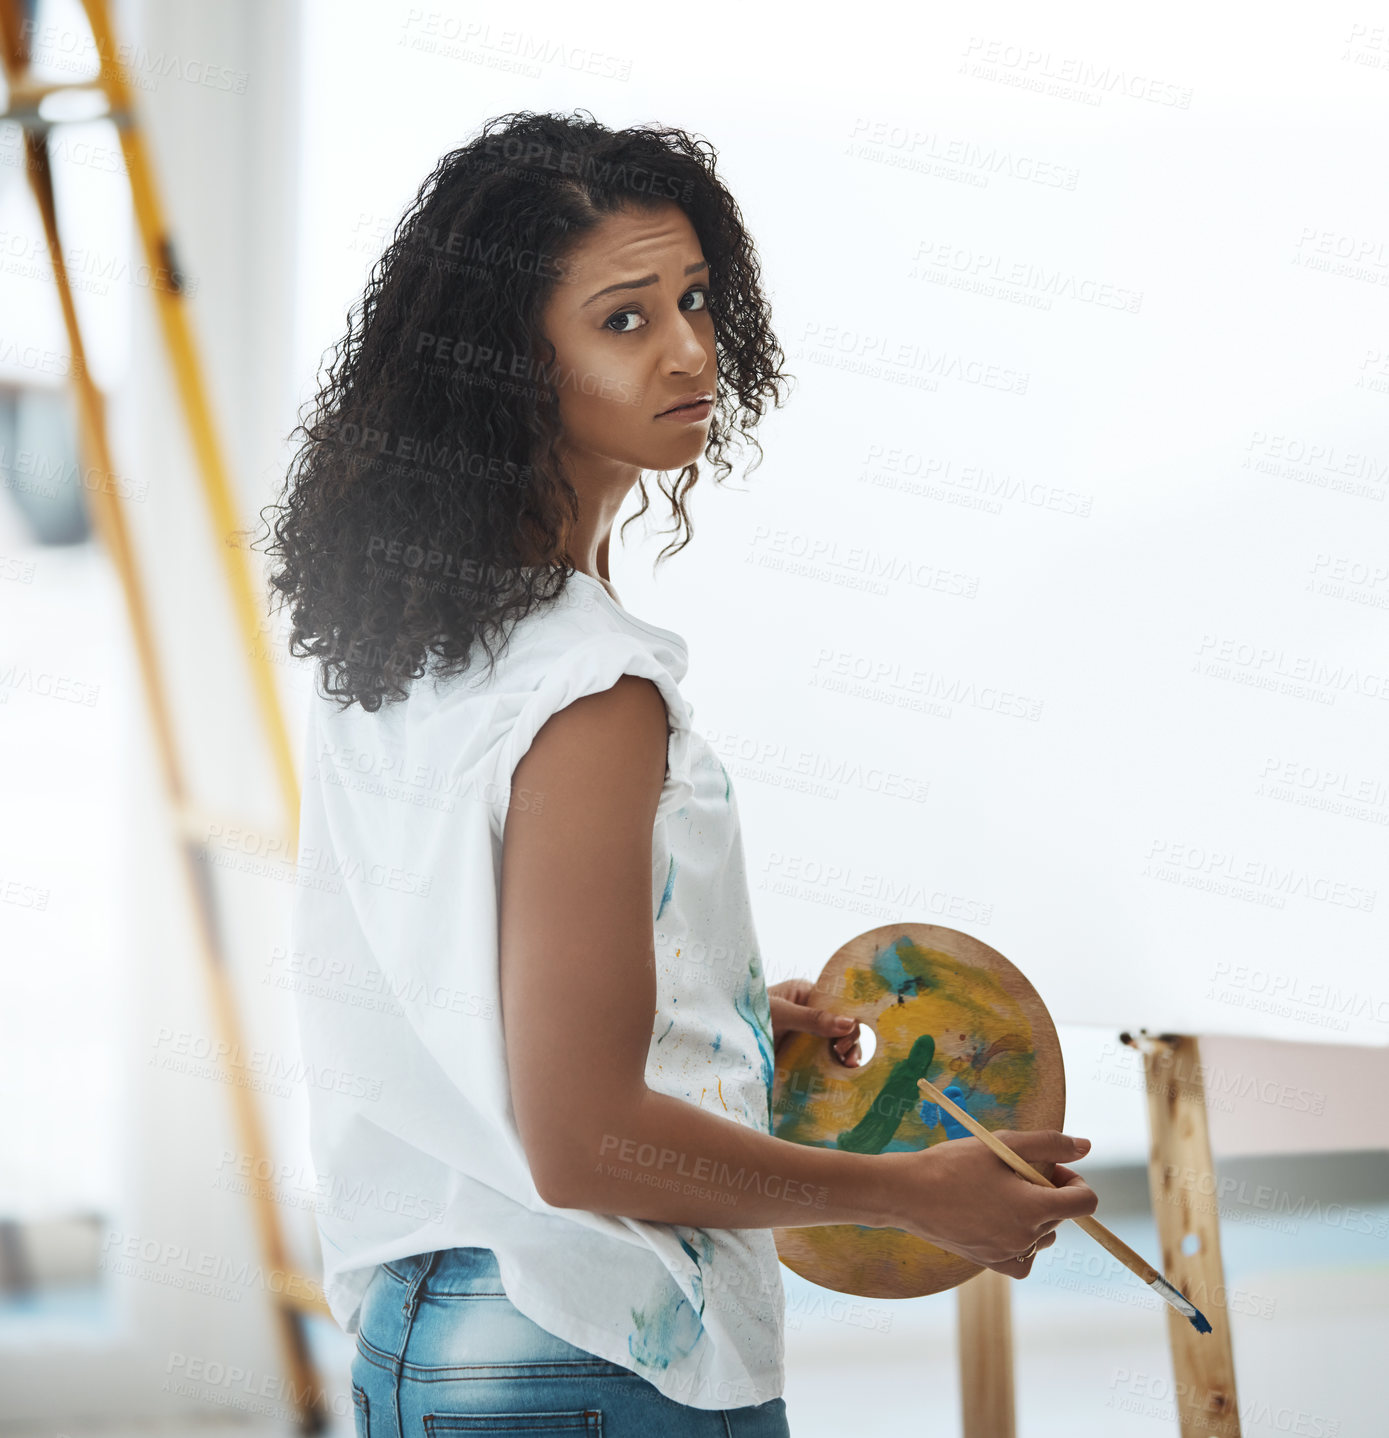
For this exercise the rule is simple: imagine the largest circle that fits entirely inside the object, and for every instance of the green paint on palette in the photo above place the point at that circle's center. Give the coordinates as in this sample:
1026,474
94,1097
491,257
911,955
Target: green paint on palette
897,1097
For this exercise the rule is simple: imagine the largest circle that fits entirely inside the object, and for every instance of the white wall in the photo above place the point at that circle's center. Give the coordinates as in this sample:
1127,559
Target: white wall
1063,578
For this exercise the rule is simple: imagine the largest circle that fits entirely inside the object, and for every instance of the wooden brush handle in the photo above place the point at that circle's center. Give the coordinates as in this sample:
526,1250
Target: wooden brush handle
1116,1245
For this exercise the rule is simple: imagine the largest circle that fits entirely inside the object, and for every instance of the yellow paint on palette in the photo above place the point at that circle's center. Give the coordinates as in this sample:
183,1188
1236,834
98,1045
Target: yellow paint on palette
983,1041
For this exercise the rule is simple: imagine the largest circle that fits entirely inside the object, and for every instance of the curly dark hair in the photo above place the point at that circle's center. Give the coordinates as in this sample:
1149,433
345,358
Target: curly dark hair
404,511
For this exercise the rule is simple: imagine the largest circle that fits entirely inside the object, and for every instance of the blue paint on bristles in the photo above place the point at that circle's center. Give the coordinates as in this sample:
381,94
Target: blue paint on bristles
1182,1304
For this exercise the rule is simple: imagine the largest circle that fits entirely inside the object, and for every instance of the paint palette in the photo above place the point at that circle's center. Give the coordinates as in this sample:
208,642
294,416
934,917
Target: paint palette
943,1006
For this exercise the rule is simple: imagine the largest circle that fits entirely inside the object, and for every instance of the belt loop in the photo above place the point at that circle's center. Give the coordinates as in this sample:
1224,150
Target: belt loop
412,1294
412,1298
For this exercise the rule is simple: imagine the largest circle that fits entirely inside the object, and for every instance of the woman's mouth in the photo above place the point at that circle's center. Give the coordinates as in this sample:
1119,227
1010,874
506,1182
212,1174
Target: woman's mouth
689,413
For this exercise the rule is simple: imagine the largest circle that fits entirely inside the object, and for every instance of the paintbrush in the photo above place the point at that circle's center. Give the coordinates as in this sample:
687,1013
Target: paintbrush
1116,1245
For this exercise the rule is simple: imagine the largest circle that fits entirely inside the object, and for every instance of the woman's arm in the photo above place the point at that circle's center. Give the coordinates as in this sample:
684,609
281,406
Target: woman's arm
578,984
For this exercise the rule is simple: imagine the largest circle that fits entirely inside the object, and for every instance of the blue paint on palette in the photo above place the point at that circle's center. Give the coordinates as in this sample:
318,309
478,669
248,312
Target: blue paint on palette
979,1103
934,1113
888,966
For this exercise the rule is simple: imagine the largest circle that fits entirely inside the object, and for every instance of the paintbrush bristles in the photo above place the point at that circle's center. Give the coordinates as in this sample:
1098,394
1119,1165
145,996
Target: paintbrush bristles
1181,1303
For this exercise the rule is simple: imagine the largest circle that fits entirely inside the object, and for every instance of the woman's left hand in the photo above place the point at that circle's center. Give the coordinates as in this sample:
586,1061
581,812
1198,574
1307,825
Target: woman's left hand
792,1014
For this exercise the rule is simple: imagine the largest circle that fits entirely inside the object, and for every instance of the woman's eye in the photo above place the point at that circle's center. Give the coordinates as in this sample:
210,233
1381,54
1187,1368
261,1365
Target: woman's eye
699,293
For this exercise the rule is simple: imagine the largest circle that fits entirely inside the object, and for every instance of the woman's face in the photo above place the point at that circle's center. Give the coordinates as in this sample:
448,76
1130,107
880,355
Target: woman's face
630,324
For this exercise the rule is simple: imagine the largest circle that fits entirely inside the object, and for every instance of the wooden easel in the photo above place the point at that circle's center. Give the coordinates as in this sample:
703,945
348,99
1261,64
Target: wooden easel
290,1304
1203,1364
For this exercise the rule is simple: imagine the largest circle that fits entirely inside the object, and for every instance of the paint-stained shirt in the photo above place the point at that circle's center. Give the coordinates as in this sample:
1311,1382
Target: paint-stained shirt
393,961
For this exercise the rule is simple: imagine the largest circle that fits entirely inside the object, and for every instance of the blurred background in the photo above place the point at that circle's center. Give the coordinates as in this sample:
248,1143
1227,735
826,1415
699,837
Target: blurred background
1088,313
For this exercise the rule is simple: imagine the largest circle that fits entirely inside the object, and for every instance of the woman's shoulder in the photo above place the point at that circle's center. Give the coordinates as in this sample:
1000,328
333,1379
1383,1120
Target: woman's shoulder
580,646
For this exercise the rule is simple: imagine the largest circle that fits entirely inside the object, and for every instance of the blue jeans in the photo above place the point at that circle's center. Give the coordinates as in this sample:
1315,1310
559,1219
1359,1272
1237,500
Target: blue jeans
441,1349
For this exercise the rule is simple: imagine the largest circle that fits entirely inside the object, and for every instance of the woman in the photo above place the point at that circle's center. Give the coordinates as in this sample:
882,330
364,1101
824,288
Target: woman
538,1038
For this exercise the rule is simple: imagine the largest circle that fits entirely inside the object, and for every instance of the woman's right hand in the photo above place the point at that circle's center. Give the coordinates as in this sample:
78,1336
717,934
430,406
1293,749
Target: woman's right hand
961,1196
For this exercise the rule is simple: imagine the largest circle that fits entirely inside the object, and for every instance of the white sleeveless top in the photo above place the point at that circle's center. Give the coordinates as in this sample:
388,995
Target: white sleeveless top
393,961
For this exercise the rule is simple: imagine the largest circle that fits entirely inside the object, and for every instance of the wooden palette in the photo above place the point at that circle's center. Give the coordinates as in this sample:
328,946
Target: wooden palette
946,1007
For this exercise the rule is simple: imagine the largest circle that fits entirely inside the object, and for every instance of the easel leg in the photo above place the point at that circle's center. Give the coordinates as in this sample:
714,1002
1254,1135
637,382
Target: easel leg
1179,1170
985,1323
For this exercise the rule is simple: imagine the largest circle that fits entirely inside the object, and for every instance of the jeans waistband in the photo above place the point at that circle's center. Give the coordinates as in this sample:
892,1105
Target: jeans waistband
452,1270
